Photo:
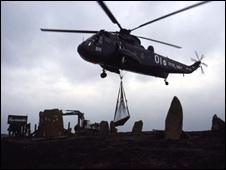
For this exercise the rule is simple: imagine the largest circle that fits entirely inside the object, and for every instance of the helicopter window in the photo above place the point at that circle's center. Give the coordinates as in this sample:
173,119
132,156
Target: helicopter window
107,39
92,40
100,40
95,40
89,44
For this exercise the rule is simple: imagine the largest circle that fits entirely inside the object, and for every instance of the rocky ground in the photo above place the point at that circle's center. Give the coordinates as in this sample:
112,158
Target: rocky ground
150,150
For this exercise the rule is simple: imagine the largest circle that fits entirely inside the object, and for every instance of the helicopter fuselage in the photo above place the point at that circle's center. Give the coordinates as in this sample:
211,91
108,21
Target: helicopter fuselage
119,51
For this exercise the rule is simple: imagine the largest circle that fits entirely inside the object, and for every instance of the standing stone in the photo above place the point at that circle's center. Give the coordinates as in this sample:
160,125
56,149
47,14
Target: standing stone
104,128
51,123
174,120
137,127
217,124
113,129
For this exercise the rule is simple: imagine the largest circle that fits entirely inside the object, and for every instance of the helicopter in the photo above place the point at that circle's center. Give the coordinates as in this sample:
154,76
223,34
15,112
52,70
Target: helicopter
120,50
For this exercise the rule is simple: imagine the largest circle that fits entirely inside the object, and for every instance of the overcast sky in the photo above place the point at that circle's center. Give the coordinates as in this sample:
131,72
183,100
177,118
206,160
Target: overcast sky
42,70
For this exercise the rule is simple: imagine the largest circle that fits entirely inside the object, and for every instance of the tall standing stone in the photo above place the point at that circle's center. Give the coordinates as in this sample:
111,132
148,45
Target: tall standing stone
174,120
217,124
113,129
137,127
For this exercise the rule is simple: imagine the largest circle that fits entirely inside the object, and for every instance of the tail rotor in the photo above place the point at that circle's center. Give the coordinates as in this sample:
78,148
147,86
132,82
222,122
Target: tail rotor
199,59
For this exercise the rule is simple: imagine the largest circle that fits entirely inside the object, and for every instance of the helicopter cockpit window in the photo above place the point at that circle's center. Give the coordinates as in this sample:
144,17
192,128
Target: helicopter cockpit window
100,41
93,39
90,43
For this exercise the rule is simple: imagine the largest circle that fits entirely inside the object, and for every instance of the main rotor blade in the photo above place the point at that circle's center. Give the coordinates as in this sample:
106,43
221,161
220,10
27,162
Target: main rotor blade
170,14
197,56
108,12
69,31
161,42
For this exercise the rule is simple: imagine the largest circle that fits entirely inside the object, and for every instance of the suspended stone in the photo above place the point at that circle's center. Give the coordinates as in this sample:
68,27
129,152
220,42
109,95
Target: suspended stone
174,120
121,110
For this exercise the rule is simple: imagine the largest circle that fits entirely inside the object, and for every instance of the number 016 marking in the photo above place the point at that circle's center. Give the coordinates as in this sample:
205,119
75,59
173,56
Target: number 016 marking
159,60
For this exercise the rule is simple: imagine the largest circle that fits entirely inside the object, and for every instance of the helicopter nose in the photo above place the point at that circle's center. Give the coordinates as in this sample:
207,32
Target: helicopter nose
85,52
81,50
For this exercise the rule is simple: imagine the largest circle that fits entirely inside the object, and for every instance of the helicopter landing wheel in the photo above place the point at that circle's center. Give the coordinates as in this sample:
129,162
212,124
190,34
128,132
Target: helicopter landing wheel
103,74
166,82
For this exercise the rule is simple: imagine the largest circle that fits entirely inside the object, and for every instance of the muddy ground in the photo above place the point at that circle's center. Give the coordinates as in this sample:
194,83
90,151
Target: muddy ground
149,150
